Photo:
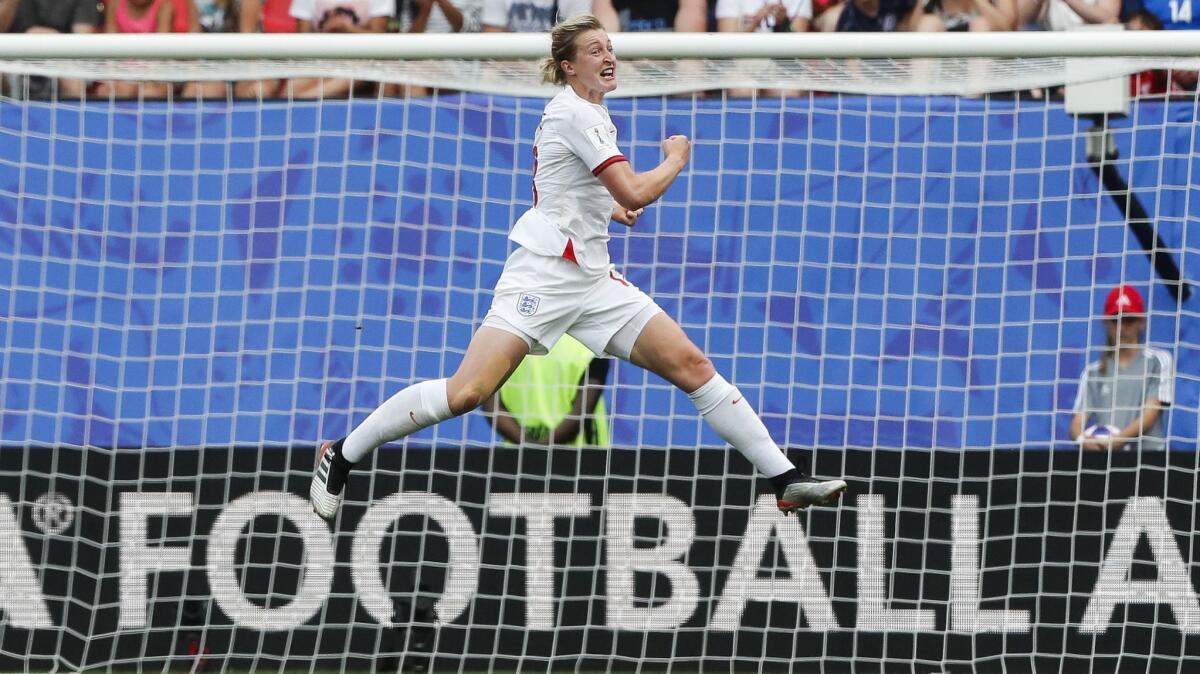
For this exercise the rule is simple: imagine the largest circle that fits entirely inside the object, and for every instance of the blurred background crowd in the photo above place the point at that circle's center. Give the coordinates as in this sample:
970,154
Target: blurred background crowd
447,16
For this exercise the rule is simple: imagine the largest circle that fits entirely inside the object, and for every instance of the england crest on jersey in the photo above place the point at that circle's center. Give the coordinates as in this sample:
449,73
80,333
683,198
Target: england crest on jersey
527,304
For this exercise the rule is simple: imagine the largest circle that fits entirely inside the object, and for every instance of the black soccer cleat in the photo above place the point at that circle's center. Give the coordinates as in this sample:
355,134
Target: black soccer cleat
329,480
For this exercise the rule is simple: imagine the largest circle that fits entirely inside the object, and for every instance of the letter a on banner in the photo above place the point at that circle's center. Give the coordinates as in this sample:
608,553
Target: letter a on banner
802,585
1144,515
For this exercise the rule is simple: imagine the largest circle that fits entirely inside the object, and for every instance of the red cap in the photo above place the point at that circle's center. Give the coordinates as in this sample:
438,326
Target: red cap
1124,300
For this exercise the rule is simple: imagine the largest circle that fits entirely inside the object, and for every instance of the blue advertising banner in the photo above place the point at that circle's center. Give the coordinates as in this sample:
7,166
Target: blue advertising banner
871,272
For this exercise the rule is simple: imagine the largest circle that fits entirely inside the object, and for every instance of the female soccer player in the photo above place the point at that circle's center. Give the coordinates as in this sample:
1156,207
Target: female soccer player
559,280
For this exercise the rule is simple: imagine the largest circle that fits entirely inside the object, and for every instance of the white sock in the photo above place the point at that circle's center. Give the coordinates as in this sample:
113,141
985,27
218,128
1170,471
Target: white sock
732,417
413,408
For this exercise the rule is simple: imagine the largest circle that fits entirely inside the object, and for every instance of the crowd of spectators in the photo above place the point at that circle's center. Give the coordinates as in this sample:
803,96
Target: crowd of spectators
447,16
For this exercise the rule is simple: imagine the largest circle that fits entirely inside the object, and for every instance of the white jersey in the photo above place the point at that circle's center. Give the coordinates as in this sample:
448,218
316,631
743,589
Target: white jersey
571,207
531,16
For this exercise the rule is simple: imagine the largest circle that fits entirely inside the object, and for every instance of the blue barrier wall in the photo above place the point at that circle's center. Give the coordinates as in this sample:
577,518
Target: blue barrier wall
919,272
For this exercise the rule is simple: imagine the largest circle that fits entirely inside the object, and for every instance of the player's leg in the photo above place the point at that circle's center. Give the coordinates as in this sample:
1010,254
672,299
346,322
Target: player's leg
662,347
491,357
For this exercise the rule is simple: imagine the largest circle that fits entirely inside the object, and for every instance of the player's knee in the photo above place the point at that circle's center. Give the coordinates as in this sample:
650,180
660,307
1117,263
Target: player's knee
465,399
695,371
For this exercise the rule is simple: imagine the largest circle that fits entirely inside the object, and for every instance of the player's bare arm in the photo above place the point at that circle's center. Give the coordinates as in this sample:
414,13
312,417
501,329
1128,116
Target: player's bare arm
638,190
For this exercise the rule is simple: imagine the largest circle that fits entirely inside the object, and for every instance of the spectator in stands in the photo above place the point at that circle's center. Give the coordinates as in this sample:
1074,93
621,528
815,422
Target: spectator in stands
1147,82
763,16
636,16
8,11
264,16
137,16
213,16
51,16
433,16
337,16
1123,395
1171,14
207,16
343,16
878,16
437,16
1066,14
186,19
556,399
1166,15
529,16
975,15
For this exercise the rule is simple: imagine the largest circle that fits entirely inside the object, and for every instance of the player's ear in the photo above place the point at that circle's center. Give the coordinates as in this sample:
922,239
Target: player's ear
567,67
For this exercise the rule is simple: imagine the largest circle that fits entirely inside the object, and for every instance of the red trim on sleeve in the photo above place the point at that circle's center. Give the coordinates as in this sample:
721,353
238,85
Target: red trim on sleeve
608,162
569,252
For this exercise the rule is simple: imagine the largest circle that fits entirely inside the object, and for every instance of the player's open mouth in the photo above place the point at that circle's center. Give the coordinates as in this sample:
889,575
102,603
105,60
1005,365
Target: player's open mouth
608,73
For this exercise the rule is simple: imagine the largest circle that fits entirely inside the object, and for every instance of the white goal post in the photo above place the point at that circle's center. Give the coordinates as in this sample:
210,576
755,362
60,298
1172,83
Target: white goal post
898,246
1019,60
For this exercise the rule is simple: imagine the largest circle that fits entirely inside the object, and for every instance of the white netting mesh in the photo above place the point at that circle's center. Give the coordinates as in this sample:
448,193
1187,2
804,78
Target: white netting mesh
965,76
192,293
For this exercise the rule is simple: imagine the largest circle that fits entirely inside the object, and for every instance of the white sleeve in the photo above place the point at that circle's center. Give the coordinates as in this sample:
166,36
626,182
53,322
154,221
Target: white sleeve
1081,394
470,10
569,8
802,8
1164,388
302,9
383,8
592,138
728,9
494,13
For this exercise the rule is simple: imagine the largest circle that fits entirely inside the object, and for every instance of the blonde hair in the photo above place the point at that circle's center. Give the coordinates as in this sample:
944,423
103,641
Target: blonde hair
562,46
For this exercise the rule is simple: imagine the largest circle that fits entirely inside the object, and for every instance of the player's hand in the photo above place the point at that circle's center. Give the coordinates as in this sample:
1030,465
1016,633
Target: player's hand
677,146
1096,444
625,216
751,22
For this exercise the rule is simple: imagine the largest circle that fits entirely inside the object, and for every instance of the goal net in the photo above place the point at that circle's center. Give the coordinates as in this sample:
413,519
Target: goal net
898,247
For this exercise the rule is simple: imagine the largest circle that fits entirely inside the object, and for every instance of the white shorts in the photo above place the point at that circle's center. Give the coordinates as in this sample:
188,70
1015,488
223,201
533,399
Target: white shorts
539,298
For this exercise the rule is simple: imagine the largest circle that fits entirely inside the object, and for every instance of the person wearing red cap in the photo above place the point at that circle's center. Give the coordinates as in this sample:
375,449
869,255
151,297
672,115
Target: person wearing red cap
1122,395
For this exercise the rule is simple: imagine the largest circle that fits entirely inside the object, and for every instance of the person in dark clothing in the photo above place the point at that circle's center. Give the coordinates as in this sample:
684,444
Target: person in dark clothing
50,16
683,16
53,16
878,16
